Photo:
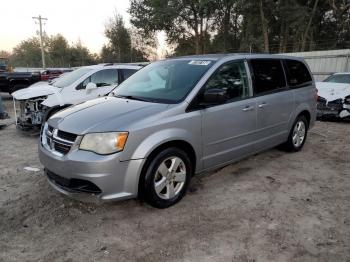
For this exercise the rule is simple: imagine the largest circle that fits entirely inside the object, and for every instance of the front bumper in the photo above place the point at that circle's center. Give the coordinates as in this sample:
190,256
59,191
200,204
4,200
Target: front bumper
30,115
332,109
109,178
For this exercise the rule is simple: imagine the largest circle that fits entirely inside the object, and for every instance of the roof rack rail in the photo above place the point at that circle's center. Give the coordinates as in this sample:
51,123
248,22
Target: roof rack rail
133,63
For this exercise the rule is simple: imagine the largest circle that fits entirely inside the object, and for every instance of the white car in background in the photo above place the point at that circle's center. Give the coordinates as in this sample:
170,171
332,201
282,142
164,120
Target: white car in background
334,96
39,101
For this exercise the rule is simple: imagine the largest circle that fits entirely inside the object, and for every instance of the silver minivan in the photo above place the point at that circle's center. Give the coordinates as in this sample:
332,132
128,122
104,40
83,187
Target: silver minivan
176,118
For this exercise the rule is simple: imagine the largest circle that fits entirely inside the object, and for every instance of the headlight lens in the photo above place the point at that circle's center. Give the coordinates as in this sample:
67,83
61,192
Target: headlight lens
104,143
347,99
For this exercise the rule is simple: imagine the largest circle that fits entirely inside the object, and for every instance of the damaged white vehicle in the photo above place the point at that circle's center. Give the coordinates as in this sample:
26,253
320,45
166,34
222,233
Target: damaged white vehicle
334,96
39,101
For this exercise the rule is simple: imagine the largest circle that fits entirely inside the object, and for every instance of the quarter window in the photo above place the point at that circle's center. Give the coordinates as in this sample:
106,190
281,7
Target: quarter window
232,78
297,73
128,72
268,75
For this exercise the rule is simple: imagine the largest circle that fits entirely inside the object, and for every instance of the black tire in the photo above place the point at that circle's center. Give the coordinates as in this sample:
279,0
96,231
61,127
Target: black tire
147,186
290,145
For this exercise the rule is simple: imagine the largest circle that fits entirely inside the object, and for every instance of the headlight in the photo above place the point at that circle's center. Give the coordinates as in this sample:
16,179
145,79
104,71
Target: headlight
347,99
104,143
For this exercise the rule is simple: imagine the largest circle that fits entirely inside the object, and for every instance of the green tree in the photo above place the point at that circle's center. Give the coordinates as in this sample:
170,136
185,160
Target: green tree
144,46
58,51
27,53
227,24
180,19
79,55
118,48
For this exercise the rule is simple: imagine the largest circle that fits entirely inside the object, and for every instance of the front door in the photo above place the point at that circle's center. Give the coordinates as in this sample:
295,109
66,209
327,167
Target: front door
228,128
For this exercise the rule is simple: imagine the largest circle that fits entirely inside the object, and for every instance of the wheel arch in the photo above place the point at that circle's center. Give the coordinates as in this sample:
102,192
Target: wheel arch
306,110
307,115
176,143
53,110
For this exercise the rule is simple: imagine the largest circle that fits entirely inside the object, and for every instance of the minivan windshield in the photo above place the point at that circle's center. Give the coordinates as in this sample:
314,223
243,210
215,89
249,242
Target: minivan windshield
69,78
164,82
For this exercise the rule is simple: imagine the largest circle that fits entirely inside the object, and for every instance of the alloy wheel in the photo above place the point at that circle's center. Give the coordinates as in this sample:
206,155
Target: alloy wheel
299,133
170,178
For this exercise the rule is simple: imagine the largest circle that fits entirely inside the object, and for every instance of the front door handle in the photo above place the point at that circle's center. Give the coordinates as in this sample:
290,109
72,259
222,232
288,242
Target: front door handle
262,105
248,108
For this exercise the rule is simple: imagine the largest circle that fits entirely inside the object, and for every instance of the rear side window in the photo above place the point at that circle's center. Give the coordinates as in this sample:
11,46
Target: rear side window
268,75
128,72
297,73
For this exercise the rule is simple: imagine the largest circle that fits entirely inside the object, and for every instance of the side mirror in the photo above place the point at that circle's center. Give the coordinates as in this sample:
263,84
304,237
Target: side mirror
214,96
90,86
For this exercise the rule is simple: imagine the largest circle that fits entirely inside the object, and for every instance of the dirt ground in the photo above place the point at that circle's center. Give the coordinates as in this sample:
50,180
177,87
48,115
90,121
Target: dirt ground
274,206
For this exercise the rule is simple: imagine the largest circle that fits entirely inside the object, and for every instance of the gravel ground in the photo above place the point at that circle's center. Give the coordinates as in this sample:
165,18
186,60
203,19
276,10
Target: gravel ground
274,206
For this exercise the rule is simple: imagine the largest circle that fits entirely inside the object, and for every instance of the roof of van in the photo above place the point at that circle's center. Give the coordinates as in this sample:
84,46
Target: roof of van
217,57
115,66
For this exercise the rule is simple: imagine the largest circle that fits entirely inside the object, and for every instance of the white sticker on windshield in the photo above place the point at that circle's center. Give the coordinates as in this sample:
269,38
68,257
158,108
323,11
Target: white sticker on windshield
199,62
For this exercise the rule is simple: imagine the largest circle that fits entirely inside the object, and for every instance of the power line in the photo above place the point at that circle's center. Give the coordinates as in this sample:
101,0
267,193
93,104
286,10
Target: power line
40,19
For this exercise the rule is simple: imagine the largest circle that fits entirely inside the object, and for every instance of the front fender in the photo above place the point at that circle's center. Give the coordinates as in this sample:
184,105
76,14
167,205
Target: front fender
54,100
154,140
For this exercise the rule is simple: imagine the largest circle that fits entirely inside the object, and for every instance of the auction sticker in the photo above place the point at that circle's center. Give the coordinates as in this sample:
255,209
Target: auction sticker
199,62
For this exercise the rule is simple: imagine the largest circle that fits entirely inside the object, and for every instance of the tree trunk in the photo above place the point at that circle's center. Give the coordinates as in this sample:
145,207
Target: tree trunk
284,37
306,33
226,25
197,41
201,35
264,27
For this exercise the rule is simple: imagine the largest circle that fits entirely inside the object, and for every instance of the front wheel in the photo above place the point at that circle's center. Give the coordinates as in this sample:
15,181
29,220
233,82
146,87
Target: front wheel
298,134
166,178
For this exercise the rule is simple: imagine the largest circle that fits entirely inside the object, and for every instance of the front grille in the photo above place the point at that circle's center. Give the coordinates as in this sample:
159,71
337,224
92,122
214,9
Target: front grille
67,136
73,185
58,140
63,149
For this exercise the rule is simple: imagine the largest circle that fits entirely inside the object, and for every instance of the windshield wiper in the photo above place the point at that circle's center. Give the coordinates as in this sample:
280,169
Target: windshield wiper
135,98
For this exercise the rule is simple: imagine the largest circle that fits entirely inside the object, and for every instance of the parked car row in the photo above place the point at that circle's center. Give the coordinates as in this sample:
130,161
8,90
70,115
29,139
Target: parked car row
168,121
50,74
334,96
41,100
13,81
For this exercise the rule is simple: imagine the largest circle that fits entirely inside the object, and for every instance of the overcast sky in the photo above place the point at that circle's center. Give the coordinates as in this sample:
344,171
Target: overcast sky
74,19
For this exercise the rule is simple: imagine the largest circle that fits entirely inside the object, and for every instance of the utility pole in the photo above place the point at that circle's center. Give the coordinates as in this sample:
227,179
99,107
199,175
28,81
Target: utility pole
40,19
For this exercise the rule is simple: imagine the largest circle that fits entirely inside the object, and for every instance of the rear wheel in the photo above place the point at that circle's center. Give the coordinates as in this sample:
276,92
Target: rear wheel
298,134
166,178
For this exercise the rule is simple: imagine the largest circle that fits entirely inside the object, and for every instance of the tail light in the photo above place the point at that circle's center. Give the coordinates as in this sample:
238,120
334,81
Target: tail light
316,94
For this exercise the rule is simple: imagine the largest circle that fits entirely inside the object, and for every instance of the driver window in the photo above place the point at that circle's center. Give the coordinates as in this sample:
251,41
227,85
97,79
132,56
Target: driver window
105,77
233,79
101,78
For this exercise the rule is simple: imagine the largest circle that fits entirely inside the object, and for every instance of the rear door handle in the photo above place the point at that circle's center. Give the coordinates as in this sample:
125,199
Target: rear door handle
248,108
262,105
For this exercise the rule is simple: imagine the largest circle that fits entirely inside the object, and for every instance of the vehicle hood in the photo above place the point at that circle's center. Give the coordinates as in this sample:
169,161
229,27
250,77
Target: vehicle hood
35,90
333,91
105,114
